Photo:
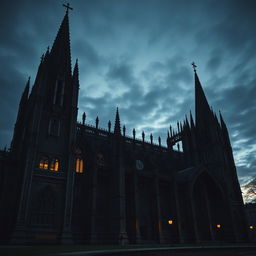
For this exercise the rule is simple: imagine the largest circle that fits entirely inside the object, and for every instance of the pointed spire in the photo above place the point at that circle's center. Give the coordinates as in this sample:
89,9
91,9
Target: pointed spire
76,71
83,118
42,58
109,126
191,121
225,132
202,109
75,75
60,51
134,133
97,122
75,84
186,121
223,124
151,138
117,129
124,129
143,136
159,141
25,93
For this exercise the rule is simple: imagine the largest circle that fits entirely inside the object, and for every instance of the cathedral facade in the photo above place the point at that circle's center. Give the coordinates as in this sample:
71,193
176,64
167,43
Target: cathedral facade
68,182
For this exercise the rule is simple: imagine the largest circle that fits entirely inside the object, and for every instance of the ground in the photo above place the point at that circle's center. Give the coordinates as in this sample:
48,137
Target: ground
245,250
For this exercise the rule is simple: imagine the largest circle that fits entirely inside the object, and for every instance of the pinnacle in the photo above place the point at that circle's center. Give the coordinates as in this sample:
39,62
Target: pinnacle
117,129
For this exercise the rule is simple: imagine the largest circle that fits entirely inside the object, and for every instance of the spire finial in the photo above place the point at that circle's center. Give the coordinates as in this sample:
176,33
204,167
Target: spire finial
68,7
194,66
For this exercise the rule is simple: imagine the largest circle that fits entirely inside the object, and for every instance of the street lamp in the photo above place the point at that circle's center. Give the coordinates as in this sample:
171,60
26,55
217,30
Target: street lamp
218,226
251,227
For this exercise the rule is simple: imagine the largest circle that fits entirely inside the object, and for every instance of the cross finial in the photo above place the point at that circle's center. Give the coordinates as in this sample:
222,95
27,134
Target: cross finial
194,66
68,7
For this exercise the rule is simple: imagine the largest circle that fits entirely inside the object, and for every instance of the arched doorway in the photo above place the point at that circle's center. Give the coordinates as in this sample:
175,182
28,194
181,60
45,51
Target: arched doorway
211,210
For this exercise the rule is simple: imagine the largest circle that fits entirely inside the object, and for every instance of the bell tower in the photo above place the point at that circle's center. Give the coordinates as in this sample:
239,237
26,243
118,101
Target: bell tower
50,133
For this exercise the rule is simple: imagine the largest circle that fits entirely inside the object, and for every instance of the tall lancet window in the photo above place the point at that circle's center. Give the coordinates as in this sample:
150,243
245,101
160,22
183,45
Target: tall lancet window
44,162
55,164
79,165
79,168
59,92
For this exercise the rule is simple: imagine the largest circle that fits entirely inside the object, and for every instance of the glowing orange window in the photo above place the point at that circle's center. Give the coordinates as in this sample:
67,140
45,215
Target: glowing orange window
55,163
79,165
44,163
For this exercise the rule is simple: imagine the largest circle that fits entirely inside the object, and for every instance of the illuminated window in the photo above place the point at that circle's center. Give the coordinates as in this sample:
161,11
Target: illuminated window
55,164
79,165
44,163
170,222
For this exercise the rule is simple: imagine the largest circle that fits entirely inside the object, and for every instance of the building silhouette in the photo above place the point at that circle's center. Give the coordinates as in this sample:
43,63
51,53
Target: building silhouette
68,182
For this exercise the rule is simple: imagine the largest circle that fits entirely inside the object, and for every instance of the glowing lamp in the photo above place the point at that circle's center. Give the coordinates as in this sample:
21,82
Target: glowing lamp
170,222
251,227
218,226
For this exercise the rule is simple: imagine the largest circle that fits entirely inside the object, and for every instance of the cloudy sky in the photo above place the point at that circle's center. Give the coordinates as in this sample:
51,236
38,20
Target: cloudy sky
137,54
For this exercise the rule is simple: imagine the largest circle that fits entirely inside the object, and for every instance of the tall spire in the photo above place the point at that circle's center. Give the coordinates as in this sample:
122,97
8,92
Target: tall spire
202,109
60,51
76,72
75,82
192,125
223,124
25,93
224,131
117,129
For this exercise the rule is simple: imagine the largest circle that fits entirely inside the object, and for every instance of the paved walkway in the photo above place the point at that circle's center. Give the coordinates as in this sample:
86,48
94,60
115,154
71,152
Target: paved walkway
170,251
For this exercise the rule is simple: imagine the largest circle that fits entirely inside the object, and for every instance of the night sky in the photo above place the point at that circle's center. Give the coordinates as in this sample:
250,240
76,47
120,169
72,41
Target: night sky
137,54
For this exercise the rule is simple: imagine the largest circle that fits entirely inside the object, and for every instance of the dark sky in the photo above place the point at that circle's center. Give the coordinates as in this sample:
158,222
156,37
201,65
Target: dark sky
137,54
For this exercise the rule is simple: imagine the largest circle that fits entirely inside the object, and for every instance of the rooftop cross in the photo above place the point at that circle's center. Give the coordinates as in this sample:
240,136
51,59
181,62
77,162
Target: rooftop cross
68,7
194,66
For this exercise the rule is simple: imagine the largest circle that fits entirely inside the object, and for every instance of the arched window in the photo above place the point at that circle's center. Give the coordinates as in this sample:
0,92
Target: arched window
79,165
44,163
55,163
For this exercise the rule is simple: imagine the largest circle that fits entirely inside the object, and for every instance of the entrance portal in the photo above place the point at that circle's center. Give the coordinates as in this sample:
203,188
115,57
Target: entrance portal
211,210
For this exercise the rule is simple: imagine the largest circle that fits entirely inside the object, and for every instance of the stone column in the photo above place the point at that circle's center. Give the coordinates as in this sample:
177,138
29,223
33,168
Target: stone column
93,235
160,228
118,196
19,235
137,203
209,213
195,223
180,230
66,236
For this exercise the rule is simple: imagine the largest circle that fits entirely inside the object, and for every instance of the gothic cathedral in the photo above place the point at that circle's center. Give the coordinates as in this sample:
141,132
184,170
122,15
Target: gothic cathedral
67,182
